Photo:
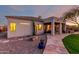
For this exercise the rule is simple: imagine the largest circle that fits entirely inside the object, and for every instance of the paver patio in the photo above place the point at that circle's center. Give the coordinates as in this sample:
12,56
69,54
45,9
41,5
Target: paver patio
20,45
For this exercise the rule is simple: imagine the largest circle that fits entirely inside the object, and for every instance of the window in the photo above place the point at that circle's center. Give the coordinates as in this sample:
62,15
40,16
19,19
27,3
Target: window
48,27
12,27
39,27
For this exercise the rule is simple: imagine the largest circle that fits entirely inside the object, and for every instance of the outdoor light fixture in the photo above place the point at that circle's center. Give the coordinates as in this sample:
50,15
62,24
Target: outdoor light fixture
12,27
25,23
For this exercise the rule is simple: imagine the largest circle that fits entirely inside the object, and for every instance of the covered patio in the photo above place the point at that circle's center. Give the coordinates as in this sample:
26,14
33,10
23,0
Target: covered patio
58,26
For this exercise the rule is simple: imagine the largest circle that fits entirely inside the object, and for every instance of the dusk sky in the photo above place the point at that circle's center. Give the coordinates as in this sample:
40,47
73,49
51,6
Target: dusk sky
31,10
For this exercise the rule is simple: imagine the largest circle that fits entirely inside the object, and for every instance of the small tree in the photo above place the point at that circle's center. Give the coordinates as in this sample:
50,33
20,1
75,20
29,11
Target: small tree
72,16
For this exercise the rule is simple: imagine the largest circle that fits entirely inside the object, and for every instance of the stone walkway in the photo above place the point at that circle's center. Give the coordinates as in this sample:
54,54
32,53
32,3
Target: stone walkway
55,45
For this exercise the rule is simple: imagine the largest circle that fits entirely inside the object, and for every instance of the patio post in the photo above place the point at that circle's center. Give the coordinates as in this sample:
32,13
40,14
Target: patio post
53,28
65,28
60,28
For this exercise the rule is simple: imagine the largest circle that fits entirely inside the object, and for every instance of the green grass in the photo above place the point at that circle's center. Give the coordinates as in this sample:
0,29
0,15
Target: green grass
71,43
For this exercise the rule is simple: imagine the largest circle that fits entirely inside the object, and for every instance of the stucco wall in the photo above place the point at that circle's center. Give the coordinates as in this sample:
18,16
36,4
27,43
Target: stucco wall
21,29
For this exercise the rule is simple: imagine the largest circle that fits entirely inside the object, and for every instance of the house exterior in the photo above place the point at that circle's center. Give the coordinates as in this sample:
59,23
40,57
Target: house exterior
19,26
27,26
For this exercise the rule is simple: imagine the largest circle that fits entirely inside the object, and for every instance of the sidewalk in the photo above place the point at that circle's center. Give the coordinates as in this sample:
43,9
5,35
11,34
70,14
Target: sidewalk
55,45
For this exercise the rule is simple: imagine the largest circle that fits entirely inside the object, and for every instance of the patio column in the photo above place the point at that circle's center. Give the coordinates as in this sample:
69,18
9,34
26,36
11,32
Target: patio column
60,28
65,28
53,28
